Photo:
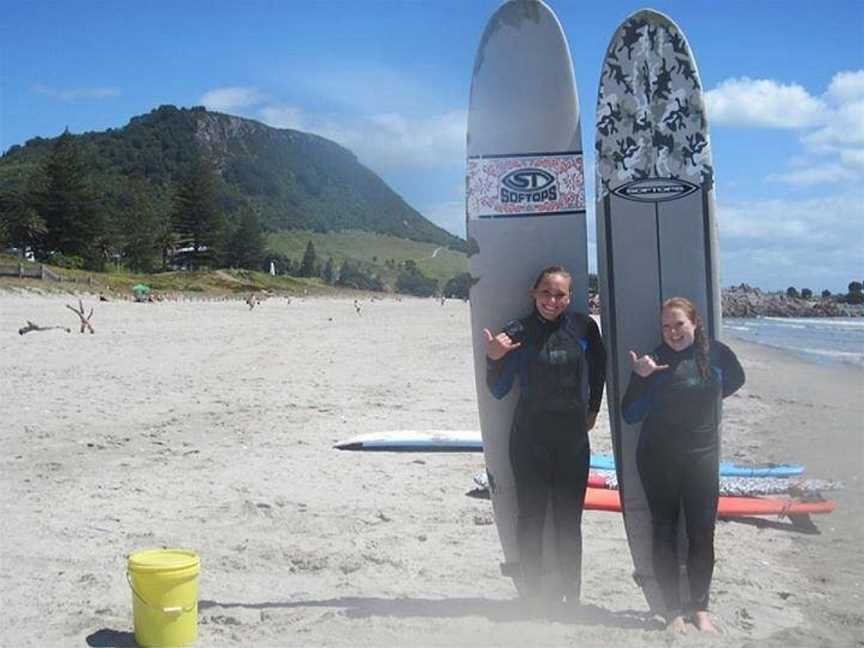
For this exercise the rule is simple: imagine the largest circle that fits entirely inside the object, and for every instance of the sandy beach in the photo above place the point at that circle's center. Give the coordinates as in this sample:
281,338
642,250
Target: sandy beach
205,425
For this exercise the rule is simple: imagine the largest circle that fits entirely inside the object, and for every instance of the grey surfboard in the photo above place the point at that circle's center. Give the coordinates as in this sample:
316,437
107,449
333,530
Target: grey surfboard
525,205
656,233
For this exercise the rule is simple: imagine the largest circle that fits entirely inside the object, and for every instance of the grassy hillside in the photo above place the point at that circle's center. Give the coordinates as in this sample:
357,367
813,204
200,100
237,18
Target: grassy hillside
372,249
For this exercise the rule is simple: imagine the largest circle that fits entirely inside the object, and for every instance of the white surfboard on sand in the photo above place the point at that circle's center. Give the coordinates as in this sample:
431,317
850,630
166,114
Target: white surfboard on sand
656,234
525,204
415,441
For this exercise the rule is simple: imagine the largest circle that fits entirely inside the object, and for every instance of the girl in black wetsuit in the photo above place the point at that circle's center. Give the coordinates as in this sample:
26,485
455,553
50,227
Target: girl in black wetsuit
677,392
560,362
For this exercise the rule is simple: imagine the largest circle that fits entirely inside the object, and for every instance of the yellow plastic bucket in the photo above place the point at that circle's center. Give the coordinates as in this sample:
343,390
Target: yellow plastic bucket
164,586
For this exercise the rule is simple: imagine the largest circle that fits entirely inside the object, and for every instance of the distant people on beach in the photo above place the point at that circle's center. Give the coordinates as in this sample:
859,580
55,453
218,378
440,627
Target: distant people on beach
676,391
559,359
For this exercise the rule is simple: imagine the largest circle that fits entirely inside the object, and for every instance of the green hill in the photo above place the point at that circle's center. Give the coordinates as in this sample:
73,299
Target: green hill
291,180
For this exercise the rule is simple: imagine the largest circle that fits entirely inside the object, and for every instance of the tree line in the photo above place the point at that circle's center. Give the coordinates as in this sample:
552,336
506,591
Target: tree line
855,294
60,218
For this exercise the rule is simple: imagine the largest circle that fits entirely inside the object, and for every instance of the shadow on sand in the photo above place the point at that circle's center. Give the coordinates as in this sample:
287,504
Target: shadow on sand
495,610
795,524
107,638
364,607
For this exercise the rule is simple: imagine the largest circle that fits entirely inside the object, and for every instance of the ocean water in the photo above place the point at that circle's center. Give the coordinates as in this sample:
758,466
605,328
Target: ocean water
834,340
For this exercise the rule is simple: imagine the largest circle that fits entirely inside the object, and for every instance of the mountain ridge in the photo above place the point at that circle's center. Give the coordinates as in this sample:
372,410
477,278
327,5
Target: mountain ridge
292,179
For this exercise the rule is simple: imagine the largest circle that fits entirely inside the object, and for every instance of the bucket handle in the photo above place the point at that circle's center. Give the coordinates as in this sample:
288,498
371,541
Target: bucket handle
174,611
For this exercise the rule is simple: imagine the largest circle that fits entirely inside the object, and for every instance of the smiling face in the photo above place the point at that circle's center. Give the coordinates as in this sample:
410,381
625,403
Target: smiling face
552,296
678,330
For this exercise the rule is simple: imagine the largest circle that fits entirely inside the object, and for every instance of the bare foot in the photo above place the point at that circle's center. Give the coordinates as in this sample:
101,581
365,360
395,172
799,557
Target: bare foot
677,625
705,624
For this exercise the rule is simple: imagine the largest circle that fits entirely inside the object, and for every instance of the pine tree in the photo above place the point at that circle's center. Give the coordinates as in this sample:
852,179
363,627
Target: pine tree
143,229
68,207
856,293
197,216
21,226
459,286
245,246
167,238
327,272
307,267
352,276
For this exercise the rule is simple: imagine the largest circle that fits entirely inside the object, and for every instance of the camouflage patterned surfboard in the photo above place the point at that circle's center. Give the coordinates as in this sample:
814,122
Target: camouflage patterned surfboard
656,235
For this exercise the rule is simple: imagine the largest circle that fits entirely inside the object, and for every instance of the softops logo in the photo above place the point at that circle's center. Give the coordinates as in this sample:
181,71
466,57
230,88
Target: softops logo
529,185
655,189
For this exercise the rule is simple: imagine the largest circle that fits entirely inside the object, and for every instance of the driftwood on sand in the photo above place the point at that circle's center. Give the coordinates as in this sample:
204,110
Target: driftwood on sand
85,321
35,327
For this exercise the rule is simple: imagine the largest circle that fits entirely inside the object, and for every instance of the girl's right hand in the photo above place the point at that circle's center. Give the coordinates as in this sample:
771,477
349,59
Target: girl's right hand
497,346
646,365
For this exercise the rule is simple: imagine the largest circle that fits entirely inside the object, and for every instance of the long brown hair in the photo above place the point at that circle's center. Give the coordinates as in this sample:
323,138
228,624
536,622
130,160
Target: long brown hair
700,340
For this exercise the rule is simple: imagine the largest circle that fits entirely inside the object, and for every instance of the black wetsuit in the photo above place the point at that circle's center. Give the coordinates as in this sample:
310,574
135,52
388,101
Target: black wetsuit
678,459
561,367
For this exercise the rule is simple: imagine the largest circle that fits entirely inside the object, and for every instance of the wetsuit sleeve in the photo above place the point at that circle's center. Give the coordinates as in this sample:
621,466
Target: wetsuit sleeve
637,399
596,366
501,373
732,371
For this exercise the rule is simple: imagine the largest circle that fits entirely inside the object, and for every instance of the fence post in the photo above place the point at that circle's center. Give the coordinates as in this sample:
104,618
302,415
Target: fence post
20,270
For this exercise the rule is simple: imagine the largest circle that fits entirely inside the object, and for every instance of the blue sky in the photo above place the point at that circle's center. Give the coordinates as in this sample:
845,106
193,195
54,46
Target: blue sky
389,79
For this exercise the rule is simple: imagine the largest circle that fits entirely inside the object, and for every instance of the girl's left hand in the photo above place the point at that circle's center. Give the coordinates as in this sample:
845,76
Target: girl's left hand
646,365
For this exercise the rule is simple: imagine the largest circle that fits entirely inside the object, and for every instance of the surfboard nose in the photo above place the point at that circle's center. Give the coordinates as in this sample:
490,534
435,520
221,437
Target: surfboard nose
523,59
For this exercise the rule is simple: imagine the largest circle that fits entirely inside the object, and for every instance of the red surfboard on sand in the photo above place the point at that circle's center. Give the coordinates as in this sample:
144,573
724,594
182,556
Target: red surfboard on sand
599,497
603,499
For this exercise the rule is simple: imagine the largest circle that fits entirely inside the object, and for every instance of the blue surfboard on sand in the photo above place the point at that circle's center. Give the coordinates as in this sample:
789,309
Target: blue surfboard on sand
727,468
471,441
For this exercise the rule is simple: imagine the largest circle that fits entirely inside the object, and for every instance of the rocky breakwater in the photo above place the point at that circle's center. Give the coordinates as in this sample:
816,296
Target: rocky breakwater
746,301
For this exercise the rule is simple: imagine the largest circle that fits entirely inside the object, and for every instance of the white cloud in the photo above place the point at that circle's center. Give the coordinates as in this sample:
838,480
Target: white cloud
831,126
763,103
392,140
76,94
230,99
847,86
366,87
815,175
384,141
853,159
843,129
774,244
283,117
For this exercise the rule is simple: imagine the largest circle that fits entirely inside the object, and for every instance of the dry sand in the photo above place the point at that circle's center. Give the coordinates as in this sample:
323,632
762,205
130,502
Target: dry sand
207,425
